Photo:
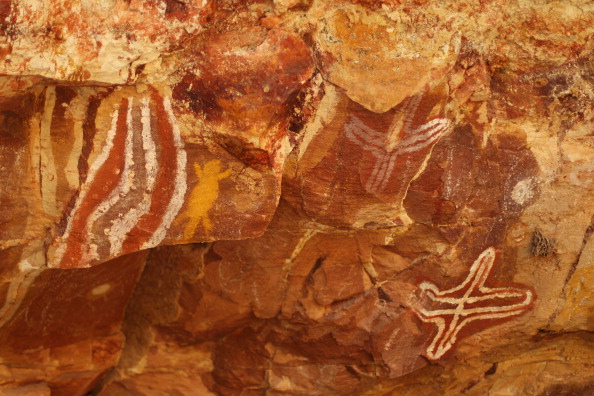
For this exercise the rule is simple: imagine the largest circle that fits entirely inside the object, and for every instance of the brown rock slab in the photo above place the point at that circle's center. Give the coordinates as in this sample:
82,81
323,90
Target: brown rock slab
60,327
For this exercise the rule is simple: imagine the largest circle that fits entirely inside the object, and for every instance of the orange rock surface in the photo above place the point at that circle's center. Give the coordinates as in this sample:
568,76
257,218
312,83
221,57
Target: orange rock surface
296,197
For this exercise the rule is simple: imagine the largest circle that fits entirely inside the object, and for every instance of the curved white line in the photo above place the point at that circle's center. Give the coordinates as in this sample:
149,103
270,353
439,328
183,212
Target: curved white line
95,166
461,316
379,170
120,191
177,200
17,290
121,226
431,131
49,178
389,171
369,133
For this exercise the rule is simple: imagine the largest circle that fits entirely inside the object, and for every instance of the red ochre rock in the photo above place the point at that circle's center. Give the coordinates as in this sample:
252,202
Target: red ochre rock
296,197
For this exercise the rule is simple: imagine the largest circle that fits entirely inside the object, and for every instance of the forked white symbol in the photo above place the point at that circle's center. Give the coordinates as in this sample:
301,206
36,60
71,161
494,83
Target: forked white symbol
387,147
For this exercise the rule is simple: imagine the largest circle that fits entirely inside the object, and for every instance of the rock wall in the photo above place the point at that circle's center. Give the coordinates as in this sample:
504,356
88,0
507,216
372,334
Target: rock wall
296,197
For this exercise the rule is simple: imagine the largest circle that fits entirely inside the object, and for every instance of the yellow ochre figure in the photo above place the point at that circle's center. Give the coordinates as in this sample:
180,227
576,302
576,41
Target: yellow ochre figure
203,197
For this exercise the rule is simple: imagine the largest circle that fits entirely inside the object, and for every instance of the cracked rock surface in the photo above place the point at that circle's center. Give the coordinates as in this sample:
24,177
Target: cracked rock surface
296,197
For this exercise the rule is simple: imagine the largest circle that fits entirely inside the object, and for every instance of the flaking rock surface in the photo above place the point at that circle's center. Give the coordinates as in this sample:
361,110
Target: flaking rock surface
296,197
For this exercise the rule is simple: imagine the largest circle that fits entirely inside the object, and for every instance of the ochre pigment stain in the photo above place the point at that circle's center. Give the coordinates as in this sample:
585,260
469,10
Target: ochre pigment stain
203,197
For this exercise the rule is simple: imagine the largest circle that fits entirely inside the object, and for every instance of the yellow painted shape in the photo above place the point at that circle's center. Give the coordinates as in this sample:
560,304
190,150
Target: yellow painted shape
203,197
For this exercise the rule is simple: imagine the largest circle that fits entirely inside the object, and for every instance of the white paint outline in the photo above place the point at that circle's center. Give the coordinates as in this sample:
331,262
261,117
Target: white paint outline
387,147
121,190
384,148
97,164
121,226
447,331
180,186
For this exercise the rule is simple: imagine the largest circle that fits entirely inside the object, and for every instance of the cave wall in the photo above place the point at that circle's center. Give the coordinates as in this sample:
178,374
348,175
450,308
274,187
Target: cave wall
296,197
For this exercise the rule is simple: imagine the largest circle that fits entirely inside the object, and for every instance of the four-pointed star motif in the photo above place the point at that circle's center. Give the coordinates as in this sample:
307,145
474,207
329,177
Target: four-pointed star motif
468,302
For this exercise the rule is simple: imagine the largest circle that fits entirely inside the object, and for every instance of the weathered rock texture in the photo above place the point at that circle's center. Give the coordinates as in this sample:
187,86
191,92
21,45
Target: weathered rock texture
296,197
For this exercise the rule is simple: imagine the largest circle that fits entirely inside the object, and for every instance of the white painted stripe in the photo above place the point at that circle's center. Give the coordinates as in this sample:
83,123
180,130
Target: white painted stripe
121,190
432,140
389,171
460,309
378,174
122,226
411,111
496,293
180,184
402,121
364,136
371,134
49,177
443,342
386,148
485,260
384,168
71,170
97,164
365,144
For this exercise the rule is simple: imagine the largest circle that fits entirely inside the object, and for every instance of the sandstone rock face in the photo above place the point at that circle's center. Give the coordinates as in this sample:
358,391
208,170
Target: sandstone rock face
296,197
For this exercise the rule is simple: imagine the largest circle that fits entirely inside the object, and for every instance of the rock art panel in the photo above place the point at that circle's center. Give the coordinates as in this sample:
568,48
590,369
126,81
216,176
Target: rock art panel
203,196
292,197
141,184
386,148
118,167
140,218
369,158
359,307
468,302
